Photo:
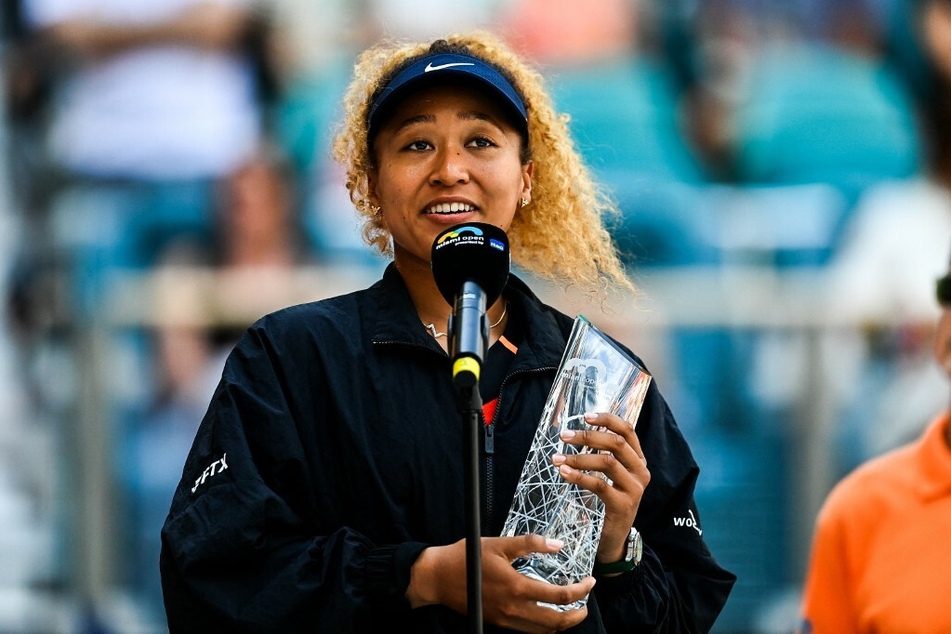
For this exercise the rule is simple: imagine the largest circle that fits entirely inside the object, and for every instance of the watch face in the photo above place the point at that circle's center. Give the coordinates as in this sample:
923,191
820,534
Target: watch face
635,546
632,557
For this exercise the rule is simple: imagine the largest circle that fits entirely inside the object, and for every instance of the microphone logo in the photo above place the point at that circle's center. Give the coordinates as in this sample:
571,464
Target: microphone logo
455,234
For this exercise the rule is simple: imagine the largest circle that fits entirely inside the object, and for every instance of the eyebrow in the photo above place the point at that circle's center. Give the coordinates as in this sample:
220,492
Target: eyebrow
470,115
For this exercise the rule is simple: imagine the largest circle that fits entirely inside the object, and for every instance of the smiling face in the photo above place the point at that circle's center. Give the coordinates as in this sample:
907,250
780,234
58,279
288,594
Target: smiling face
446,156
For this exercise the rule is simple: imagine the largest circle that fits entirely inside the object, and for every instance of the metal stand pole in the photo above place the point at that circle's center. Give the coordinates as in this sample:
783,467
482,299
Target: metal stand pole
470,407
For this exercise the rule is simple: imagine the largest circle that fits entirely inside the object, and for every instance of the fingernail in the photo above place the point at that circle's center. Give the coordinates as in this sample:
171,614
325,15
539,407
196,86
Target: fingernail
567,433
590,415
565,470
558,458
554,543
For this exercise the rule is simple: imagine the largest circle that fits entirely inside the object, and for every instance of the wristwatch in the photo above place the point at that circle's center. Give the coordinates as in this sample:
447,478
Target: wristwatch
633,551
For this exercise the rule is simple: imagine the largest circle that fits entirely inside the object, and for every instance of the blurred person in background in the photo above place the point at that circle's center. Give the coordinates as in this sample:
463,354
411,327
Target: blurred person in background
932,22
149,103
562,33
918,48
136,110
321,491
207,295
877,279
880,552
710,48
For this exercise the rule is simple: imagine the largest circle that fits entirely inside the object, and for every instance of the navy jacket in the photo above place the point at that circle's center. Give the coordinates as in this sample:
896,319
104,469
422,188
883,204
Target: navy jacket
332,454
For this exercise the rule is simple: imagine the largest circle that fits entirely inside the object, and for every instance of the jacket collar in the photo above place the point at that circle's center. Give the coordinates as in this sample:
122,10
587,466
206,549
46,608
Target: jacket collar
393,319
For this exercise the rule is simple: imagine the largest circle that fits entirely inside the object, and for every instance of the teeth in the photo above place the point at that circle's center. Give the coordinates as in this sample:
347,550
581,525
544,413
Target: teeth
448,208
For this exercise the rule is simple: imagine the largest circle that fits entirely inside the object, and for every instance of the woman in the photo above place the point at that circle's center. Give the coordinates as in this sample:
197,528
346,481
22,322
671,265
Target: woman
324,490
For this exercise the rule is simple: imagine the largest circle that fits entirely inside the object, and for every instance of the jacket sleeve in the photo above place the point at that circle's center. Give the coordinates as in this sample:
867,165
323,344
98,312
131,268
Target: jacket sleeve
678,586
241,550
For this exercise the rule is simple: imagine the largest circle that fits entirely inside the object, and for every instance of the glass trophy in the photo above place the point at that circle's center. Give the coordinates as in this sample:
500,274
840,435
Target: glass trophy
594,375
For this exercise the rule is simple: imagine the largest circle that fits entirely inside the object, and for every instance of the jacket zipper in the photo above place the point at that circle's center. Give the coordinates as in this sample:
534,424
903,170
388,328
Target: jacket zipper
488,445
488,451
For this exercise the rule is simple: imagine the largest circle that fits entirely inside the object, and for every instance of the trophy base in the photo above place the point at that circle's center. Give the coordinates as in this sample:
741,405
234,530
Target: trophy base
545,568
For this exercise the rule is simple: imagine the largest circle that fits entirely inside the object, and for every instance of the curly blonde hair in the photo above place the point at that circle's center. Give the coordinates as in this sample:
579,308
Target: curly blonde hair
561,235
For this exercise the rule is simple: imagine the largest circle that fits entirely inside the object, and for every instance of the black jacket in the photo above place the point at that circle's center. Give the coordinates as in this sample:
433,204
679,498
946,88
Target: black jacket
332,454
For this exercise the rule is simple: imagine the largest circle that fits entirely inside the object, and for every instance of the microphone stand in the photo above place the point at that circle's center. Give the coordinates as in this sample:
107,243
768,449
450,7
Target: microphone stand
470,407
468,335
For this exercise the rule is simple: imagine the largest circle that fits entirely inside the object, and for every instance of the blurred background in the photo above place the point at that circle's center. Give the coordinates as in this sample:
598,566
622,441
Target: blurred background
782,167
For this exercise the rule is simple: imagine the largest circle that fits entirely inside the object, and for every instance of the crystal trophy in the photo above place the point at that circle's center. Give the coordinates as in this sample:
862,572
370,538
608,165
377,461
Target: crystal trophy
595,375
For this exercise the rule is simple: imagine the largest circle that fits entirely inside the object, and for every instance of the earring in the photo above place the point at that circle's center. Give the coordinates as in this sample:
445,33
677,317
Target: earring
374,209
524,201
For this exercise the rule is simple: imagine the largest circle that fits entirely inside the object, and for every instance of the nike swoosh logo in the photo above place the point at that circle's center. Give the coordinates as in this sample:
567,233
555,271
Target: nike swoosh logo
430,67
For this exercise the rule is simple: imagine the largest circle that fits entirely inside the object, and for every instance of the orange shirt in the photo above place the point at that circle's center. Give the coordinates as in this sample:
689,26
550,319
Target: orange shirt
881,555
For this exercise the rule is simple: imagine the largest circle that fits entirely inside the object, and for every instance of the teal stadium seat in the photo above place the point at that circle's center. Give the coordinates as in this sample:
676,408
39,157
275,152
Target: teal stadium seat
817,116
624,122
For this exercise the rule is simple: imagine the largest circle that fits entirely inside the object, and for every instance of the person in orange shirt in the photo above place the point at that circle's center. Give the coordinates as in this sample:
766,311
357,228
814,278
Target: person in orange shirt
881,554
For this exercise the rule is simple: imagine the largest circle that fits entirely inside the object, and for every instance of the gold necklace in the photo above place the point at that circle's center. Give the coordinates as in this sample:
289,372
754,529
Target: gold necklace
436,334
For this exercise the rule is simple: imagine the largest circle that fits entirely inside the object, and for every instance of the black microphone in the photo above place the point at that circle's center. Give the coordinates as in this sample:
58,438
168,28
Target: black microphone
471,267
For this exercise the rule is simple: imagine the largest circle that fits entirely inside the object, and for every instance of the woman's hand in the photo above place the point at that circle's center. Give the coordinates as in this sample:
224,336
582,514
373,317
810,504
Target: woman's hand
616,452
509,598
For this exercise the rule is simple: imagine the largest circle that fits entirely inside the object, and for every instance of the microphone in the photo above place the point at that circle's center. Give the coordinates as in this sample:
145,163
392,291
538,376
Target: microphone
470,264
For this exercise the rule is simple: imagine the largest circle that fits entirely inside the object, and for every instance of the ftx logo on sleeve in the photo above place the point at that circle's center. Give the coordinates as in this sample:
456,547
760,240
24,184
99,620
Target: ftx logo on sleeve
211,470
